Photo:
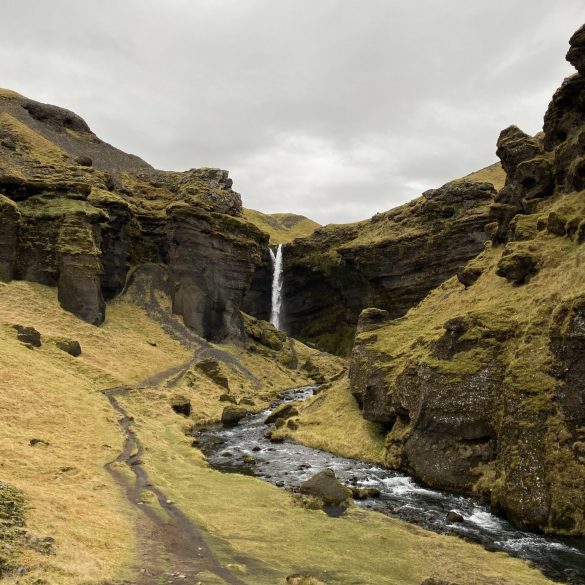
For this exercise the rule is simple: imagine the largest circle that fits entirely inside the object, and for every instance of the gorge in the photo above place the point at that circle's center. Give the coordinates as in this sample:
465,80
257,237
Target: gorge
150,327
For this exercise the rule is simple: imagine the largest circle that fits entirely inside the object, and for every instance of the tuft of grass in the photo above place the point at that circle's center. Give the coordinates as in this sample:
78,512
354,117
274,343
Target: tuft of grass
331,421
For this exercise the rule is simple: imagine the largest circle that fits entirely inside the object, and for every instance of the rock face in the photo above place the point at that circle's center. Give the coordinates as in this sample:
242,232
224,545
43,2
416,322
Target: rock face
481,386
78,214
390,262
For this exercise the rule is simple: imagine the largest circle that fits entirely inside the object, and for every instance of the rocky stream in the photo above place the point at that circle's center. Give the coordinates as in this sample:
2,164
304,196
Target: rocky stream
245,449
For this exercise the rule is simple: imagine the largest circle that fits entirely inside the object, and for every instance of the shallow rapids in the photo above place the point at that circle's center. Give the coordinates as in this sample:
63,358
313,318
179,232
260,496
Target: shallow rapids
288,464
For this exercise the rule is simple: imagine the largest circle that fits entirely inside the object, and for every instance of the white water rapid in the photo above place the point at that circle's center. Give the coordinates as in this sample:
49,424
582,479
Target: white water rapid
277,281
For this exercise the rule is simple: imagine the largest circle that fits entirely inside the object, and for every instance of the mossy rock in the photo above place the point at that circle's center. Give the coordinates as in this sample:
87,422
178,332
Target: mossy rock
213,370
29,336
181,405
70,346
284,411
327,487
517,267
232,415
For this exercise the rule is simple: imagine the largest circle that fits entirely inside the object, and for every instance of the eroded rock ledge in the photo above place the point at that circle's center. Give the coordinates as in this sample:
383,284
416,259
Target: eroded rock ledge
482,386
78,214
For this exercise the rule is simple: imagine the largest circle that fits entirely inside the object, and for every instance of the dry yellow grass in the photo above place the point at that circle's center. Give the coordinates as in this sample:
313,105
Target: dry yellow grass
257,530
49,395
281,227
332,421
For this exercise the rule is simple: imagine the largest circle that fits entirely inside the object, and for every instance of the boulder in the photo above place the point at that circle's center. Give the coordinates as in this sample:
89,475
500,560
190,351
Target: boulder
181,405
28,335
468,275
517,267
232,415
213,370
228,398
247,402
326,486
69,346
363,493
454,517
283,411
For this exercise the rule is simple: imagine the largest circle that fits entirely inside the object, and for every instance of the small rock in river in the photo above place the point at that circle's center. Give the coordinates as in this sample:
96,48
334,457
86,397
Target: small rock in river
454,516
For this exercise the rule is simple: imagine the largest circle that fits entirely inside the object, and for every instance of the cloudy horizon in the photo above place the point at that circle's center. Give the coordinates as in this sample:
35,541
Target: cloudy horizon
334,109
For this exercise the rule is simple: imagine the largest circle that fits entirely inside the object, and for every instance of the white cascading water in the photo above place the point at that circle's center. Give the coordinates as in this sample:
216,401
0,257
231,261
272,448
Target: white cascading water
277,282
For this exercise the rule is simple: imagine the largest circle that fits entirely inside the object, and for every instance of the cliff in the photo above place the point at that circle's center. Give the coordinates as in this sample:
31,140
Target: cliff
481,386
79,214
390,261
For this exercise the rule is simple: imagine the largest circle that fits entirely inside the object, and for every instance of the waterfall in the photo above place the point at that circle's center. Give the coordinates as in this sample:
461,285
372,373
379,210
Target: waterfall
277,282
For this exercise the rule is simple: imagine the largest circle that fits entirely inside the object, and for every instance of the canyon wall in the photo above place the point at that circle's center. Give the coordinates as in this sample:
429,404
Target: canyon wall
78,214
481,385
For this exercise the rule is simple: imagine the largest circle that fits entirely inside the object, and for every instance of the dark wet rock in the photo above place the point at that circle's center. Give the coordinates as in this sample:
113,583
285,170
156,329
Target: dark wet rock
325,486
34,442
364,493
232,415
181,405
70,346
228,398
9,229
29,336
284,411
454,517
517,267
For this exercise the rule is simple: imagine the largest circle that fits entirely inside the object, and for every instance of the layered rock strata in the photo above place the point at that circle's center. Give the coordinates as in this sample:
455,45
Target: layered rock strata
78,214
481,386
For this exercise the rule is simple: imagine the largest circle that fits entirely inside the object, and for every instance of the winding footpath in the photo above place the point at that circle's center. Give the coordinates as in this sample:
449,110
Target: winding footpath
171,549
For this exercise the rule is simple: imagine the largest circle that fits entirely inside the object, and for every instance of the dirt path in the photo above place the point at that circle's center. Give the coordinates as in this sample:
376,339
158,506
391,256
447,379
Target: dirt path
171,549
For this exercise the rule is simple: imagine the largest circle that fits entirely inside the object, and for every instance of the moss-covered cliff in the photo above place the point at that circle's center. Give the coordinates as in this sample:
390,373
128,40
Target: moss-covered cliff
79,214
390,261
481,385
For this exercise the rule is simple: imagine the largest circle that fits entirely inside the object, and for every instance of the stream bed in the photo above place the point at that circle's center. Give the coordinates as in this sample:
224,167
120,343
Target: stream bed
288,464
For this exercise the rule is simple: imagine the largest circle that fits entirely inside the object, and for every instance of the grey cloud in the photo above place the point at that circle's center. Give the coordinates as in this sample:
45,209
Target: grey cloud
331,108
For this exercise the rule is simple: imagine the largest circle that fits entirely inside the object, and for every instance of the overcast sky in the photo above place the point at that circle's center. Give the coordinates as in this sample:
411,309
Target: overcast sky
335,109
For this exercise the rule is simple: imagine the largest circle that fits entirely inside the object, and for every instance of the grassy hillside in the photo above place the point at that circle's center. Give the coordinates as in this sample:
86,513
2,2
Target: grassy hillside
281,227
256,530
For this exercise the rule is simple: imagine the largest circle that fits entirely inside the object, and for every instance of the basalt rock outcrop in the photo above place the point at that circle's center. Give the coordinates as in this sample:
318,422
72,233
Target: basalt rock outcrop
390,261
78,214
481,386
